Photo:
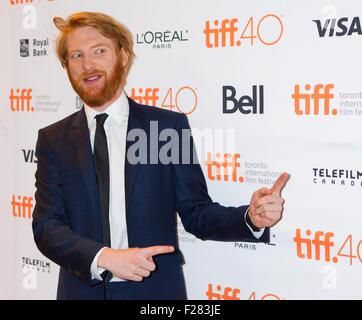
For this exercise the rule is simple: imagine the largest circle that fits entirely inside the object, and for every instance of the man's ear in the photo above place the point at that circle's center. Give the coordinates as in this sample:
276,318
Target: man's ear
124,57
59,23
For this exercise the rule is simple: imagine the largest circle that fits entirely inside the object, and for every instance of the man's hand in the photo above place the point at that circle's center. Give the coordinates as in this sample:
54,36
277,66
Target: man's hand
131,264
266,205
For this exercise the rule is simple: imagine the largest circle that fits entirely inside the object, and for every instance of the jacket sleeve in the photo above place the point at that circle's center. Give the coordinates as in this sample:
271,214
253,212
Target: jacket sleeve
52,232
201,216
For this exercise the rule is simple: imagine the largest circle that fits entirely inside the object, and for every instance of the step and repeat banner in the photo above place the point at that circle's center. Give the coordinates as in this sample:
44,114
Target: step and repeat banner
268,86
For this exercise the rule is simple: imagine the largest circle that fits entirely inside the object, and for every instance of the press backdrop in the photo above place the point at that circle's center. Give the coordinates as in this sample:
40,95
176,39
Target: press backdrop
277,81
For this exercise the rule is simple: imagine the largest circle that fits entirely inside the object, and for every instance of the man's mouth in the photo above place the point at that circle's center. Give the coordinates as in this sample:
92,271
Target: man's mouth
92,79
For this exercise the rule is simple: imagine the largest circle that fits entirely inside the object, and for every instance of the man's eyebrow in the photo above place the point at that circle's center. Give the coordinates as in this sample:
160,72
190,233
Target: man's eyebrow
101,44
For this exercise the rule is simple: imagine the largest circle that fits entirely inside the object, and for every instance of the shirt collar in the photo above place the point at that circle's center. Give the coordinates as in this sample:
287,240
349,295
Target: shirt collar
118,110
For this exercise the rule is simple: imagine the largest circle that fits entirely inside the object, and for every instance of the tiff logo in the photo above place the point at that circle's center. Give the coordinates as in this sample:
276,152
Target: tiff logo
312,101
149,96
15,2
20,100
219,294
311,246
227,30
22,207
223,167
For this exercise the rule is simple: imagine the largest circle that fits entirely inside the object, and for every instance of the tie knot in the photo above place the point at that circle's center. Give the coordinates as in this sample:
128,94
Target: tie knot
101,118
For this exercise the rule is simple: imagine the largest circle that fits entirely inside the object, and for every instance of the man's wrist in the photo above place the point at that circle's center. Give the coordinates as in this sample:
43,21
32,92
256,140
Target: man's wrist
95,269
102,259
250,223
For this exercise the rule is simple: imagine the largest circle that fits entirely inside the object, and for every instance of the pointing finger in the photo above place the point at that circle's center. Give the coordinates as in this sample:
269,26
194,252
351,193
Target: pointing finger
280,183
155,250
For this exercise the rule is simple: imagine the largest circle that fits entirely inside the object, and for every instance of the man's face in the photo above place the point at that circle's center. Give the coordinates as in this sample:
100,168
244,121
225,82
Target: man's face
95,68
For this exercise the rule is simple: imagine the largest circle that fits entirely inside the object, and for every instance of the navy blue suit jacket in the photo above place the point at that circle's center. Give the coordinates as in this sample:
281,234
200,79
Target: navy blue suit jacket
67,218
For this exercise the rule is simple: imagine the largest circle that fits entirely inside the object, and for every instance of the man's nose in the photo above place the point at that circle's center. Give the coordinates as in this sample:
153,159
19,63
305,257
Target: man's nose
88,63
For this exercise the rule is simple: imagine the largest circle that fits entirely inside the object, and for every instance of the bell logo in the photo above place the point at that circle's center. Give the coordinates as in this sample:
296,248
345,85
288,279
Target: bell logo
246,104
316,103
22,207
20,100
307,247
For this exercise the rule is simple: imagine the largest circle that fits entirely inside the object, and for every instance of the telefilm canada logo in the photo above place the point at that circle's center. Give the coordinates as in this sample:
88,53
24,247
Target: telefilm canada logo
36,264
162,39
31,268
341,177
34,47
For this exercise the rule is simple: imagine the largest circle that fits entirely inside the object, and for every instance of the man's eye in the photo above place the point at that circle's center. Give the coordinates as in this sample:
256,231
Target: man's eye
100,51
75,55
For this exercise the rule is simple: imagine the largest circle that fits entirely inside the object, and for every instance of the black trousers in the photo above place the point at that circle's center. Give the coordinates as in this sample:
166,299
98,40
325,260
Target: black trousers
120,290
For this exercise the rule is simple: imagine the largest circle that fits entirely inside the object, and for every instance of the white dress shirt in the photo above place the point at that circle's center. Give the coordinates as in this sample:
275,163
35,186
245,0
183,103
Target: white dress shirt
115,128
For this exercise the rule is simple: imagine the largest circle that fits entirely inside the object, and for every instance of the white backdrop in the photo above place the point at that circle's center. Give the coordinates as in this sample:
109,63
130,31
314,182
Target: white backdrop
187,52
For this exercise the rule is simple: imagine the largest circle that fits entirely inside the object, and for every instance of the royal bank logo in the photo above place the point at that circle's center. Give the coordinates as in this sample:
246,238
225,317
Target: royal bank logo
166,39
24,48
34,47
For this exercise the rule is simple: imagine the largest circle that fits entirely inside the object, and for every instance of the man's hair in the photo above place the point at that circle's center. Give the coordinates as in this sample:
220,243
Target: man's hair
106,25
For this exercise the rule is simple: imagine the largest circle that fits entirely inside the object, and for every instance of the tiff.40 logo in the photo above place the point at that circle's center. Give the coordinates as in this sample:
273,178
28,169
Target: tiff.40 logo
183,100
225,33
227,293
319,246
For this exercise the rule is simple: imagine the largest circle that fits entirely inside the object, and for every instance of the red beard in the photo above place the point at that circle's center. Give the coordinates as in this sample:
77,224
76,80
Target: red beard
99,95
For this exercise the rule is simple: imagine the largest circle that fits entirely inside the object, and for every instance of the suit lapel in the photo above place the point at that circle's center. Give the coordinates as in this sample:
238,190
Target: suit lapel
136,120
84,156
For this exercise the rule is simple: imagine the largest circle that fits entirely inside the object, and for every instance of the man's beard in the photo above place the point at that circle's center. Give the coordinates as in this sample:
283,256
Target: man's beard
97,97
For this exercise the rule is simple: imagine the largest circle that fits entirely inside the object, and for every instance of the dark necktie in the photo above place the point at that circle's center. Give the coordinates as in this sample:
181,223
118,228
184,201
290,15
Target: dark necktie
102,170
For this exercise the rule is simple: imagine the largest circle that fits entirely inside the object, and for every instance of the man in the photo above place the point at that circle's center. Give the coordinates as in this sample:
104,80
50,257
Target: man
108,221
